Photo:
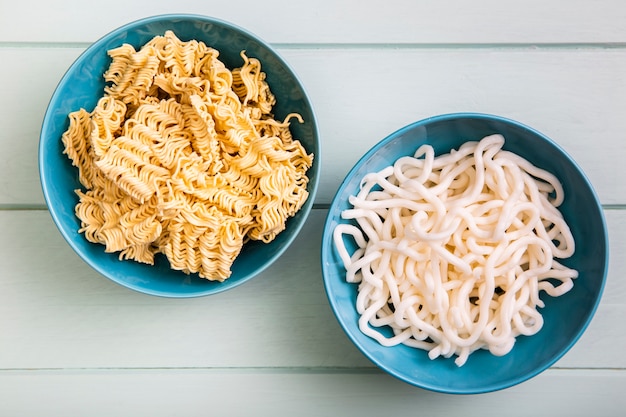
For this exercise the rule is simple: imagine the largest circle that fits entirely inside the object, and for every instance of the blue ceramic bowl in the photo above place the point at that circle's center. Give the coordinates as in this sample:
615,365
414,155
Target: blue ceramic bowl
566,317
83,84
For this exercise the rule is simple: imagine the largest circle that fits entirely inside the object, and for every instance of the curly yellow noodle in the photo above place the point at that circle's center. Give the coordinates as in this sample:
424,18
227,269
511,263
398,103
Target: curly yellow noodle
214,70
182,156
204,140
249,84
91,215
118,70
161,126
78,148
143,253
179,57
271,127
106,121
133,74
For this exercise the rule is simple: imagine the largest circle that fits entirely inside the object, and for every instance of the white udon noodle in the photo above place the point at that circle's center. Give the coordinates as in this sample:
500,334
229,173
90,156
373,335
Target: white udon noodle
454,250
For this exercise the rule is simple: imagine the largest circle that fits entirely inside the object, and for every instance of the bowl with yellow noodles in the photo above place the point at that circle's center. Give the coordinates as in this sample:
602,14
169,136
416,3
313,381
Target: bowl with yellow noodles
179,155
465,253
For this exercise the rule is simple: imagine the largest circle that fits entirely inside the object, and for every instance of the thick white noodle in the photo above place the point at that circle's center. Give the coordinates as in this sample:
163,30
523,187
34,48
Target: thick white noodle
452,251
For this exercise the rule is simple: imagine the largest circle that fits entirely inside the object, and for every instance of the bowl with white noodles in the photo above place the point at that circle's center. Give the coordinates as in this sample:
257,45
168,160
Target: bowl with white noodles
465,253
179,155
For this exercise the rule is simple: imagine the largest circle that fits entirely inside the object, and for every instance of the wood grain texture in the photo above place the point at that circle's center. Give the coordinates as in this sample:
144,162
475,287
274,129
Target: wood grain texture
330,21
74,343
357,108
55,312
260,393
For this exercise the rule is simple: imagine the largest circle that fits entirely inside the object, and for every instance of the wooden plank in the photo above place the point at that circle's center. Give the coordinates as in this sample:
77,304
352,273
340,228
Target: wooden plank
73,343
34,74
607,331
261,393
55,312
361,95
358,107
330,21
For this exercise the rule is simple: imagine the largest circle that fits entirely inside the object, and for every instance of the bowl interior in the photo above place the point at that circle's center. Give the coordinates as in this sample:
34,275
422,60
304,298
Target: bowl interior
566,317
83,84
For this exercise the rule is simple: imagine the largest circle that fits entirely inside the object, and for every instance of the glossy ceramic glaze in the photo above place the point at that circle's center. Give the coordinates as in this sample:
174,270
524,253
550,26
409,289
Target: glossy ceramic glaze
566,317
83,84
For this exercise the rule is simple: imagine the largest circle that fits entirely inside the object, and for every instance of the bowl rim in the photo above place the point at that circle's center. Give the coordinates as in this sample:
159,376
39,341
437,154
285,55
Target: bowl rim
326,249
45,182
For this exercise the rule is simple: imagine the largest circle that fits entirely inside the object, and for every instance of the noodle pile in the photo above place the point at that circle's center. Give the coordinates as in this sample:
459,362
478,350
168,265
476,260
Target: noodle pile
182,156
453,251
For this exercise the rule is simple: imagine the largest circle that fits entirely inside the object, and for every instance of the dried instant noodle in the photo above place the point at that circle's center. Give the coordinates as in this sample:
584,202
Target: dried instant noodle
183,156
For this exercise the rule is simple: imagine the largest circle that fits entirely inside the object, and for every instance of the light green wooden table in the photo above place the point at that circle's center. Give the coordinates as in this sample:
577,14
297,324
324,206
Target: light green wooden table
75,344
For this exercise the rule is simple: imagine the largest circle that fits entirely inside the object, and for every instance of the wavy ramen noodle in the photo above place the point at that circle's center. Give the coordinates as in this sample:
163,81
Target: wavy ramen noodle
453,251
183,156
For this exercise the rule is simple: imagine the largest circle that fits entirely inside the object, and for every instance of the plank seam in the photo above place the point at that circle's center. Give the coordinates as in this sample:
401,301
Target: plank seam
261,369
372,45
